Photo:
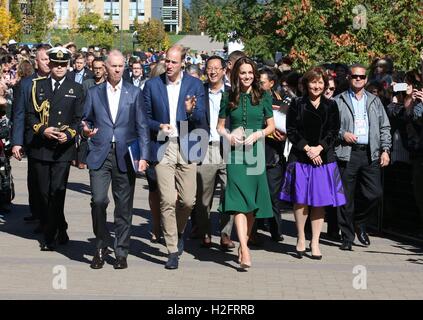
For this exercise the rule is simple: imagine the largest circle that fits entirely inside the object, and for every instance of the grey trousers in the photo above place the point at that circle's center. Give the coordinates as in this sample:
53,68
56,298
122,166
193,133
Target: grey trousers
123,186
209,175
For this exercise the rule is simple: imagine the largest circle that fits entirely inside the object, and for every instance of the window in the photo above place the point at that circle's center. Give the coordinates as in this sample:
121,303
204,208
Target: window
61,9
111,7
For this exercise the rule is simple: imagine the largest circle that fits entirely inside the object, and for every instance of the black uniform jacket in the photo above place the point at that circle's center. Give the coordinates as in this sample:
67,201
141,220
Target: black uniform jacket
64,113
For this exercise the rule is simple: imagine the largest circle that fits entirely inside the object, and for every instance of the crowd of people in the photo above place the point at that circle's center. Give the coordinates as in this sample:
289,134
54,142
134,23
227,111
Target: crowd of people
267,134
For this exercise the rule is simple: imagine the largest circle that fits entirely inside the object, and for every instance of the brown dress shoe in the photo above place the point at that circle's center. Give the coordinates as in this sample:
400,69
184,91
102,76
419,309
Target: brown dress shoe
226,243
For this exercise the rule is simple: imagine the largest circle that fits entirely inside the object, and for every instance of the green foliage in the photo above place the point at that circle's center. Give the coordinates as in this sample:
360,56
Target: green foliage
95,30
152,34
42,16
313,32
186,20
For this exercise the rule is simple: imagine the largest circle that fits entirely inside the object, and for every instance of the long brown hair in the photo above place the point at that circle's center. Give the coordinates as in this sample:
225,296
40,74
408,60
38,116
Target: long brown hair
256,91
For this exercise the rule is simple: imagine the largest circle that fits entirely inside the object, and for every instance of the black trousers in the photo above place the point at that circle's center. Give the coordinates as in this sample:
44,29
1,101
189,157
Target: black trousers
123,186
34,196
365,174
52,179
275,178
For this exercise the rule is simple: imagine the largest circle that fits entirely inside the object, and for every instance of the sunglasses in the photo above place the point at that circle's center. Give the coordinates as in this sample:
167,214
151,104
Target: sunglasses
358,76
331,89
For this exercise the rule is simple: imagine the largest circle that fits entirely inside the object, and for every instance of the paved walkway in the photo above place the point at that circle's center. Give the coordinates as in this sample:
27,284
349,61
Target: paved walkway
200,43
390,269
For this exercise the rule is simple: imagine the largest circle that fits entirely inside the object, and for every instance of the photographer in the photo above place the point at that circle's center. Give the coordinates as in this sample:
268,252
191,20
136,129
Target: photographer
405,111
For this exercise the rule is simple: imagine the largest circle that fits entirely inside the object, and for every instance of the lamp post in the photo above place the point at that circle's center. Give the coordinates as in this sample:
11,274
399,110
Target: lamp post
121,23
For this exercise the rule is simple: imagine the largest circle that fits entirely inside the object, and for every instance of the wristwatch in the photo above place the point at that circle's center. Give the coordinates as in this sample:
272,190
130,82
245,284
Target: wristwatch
387,151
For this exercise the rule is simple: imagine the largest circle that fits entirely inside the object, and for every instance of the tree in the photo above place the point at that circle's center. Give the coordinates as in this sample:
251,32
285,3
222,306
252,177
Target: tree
186,20
9,28
196,11
16,13
95,30
313,32
151,34
42,16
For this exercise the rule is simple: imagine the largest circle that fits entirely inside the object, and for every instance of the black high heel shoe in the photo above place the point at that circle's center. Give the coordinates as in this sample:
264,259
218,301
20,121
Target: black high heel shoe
315,257
300,253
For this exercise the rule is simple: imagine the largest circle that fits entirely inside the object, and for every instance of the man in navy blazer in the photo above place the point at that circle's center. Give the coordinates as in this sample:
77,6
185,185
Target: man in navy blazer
114,116
22,133
175,107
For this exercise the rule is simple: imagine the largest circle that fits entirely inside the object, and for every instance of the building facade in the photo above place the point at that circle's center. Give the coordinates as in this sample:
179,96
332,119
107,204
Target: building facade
123,13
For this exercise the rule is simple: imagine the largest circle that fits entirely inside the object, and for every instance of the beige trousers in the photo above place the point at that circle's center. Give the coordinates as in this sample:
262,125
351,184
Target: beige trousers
177,185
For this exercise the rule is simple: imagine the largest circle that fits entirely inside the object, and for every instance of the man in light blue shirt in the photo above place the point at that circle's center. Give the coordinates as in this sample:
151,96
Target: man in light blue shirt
361,119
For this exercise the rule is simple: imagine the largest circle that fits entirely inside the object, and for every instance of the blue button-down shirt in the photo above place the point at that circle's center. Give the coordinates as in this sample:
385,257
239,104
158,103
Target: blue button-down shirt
79,76
361,119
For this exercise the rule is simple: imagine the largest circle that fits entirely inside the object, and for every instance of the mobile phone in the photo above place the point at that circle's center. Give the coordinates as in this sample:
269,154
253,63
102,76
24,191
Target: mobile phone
400,87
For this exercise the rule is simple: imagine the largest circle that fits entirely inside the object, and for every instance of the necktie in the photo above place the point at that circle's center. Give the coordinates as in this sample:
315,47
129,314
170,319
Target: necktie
56,86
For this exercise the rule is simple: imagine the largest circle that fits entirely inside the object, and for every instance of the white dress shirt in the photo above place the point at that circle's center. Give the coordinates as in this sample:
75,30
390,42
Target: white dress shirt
173,89
54,81
214,104
113,96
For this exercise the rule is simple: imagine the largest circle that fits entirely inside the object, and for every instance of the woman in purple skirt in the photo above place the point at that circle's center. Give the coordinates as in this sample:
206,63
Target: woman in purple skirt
312,177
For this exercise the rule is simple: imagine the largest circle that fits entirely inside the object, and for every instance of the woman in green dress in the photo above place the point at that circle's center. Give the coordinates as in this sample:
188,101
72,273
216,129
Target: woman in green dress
247,194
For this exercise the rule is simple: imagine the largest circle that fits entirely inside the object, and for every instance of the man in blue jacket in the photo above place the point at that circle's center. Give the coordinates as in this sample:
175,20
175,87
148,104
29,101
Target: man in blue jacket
114,116
175,106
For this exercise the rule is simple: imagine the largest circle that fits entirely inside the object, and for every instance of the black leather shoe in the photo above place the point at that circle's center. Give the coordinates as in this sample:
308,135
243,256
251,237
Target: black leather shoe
120,263
39,229
30,219
51,246
277,237
172,261
98,259
180,244
346,245
62,237
362,236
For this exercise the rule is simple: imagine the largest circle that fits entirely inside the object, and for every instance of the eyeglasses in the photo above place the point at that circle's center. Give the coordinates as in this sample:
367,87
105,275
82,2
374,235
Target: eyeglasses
213,69
331,88
358,76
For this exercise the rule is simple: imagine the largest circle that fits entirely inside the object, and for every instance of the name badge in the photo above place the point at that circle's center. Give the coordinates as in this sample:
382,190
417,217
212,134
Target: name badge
360,127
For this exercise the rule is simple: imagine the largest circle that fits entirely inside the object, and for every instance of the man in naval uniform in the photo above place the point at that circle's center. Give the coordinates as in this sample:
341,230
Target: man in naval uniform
54,117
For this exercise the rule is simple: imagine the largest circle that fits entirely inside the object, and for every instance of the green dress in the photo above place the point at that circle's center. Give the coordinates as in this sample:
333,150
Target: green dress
247,188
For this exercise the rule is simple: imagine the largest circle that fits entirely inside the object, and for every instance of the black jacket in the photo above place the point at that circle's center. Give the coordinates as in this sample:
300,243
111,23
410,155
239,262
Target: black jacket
307,125
65,110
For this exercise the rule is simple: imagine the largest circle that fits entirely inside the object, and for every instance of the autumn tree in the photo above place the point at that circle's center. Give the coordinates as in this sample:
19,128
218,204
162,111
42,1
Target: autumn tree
95,30
42,16
186,20
151,34
9,28
314,32
16,13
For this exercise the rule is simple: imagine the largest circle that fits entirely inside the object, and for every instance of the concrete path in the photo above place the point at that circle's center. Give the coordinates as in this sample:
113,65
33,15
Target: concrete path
387,269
